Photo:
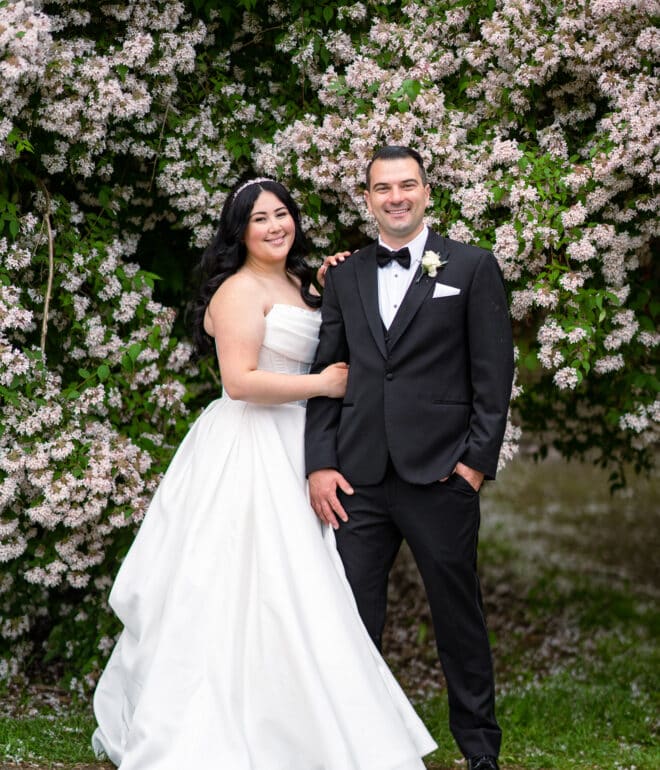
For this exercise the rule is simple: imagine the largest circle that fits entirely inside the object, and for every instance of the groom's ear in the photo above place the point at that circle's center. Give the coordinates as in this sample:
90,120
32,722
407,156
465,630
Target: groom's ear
367,200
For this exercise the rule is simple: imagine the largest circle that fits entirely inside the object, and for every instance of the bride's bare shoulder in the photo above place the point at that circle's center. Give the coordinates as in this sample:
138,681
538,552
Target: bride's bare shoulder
238,294
241,284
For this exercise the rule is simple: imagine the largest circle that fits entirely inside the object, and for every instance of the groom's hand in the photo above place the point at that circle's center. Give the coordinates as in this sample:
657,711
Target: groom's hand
473,477
323,495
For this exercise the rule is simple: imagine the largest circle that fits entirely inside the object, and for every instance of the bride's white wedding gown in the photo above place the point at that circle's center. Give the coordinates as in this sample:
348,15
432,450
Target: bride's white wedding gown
242,646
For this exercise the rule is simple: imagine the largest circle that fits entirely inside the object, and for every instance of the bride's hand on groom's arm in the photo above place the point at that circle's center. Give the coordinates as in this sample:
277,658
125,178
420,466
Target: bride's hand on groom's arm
335,379
323,495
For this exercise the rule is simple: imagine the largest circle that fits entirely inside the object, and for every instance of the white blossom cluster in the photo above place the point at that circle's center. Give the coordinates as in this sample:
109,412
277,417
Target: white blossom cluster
25,51
93,103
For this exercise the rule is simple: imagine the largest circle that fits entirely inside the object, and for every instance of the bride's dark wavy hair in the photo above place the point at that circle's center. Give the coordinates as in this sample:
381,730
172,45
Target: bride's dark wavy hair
226,253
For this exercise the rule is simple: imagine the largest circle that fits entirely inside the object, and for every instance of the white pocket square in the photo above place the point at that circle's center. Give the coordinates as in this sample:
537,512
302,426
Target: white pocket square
444,290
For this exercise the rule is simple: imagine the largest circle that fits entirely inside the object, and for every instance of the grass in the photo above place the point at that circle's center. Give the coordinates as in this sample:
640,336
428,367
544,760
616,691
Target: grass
598,712
571,601
48,738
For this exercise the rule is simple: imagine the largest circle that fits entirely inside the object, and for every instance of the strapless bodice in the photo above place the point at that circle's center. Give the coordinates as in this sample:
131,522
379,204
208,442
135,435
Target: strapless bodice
290,341
292,334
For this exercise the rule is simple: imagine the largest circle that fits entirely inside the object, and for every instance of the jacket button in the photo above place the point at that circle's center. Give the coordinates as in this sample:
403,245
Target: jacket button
389,376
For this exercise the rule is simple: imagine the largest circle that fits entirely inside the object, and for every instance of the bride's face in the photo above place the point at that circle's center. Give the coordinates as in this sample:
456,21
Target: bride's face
270,232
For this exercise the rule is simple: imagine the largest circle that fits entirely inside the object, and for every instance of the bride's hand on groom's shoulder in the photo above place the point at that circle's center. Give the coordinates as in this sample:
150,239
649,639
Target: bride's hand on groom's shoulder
331,261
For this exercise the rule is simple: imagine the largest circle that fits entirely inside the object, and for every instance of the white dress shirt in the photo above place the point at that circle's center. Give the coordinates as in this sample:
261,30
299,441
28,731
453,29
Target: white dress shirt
394,280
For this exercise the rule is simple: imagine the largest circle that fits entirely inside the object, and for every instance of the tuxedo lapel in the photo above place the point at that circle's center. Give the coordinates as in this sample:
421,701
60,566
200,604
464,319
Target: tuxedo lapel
367,282
418,291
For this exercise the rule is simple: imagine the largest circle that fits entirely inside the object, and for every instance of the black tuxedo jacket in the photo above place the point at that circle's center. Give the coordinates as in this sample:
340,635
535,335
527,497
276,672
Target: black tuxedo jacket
430,391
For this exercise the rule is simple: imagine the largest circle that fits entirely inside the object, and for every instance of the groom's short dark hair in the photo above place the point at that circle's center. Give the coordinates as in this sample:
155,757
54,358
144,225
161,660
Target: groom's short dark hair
392,152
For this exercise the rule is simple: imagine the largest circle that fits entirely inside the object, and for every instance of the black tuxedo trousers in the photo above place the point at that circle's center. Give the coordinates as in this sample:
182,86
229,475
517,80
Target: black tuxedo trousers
440,523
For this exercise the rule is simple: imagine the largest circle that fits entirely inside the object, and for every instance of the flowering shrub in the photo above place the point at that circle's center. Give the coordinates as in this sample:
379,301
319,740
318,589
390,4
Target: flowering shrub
92,384
93,397
122,122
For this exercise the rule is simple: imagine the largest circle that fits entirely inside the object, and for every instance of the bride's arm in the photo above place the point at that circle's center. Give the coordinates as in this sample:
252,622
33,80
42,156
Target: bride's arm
235,317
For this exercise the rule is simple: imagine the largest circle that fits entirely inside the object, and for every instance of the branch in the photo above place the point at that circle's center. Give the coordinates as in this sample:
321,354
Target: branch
51,272
160,144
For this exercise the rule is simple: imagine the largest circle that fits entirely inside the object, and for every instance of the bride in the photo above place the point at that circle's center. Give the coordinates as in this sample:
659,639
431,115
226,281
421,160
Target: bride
242,646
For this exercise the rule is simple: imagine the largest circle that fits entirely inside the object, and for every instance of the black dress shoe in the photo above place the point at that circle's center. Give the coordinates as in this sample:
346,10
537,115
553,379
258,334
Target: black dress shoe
483,762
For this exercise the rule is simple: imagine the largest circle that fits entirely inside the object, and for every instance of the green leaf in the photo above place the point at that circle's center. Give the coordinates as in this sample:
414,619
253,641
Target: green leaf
411,88
154,337
9,395
531,361
103,372
134,350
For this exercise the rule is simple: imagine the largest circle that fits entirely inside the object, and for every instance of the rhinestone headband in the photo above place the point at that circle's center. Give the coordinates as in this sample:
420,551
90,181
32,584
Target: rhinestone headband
249,182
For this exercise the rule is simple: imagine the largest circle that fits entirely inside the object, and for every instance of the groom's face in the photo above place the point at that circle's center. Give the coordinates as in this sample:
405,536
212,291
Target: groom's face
397,198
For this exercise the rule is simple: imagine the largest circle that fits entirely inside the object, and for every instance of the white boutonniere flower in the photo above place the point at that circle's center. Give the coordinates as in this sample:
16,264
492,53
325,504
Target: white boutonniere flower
431,263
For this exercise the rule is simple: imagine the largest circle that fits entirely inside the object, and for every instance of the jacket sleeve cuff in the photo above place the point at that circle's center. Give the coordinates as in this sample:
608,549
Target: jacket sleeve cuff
479,463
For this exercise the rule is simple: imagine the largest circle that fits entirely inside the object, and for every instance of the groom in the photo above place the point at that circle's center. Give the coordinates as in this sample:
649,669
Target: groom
423,322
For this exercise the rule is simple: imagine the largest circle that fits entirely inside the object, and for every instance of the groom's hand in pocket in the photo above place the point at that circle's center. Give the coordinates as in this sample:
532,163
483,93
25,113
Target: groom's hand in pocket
473,477
323,495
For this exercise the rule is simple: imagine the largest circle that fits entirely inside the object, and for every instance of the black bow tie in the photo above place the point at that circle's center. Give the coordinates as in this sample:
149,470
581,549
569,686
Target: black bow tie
384,256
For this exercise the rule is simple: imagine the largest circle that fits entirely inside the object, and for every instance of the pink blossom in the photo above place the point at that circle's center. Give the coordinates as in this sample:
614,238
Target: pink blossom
11,548
609,364
574,216
577,334
550,332
473,200
649,339
582,250
573,281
